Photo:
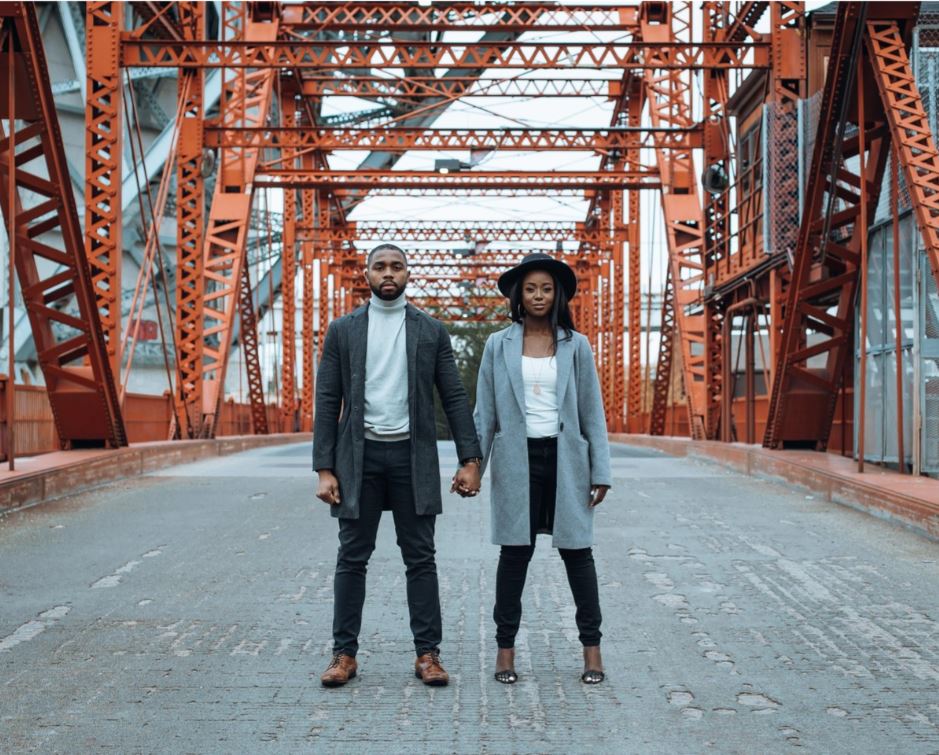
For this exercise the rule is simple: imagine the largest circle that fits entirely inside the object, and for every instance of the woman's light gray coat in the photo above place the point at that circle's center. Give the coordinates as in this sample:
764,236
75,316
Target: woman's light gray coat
583,449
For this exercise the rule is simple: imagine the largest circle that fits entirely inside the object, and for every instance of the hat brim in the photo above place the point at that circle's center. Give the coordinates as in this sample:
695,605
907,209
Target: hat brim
561,271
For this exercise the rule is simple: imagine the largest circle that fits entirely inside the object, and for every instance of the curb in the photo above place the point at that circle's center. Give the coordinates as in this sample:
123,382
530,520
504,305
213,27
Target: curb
29,489
912,502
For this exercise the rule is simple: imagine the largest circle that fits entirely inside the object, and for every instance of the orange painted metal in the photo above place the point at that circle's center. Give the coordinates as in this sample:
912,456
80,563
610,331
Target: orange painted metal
913,139
340,181
51,271
470,231
634,254
663,370
820,302
485,16
288,366
246,101
249,347
315,213
190,227
668,91
415,88
104,127
333,54
402,139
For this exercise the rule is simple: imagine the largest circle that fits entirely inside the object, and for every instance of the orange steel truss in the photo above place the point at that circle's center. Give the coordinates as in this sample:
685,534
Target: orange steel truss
246,101
831,251
669,92
288,290
909,128
190,220
339,54
51,266
103,146
670,75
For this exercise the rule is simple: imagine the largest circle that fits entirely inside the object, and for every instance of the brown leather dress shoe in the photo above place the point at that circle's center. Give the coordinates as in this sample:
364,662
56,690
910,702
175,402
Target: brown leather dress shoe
341,669
428,669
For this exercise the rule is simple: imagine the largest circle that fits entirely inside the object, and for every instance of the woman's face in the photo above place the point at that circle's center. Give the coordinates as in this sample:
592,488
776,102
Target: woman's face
537,293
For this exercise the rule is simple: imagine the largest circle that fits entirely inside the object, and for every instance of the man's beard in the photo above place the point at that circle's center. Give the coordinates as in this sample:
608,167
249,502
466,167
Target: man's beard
387,296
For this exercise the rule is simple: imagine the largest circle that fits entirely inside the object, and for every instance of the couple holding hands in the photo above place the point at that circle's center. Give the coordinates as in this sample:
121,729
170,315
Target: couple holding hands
538,429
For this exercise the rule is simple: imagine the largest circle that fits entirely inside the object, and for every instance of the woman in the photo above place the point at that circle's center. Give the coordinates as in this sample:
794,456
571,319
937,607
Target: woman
539,415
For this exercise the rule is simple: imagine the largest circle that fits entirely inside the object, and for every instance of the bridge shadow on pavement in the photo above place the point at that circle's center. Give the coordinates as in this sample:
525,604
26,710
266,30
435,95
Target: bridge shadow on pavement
190,610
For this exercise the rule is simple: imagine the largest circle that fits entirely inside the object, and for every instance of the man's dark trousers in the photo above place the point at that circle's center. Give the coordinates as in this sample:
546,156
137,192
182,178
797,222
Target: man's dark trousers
386,483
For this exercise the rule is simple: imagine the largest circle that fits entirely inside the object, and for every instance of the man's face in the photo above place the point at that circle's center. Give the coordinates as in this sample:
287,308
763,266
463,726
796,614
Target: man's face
387,274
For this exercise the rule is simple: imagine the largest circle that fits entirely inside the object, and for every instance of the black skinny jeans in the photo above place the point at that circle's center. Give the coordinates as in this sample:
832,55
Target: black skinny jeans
386,483
514,559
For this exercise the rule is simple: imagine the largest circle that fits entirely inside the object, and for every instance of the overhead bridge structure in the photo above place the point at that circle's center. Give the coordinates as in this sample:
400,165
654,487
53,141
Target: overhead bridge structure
191,198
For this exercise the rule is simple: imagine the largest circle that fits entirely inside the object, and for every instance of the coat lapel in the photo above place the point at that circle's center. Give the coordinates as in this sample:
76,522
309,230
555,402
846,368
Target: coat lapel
358,345
512,352
565,361
412,334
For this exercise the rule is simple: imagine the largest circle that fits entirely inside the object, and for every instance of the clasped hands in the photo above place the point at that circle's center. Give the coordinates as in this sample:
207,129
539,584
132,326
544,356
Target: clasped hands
466,481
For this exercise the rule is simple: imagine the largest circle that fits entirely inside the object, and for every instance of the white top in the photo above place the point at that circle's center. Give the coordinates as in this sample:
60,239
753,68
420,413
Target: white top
541,396
386,371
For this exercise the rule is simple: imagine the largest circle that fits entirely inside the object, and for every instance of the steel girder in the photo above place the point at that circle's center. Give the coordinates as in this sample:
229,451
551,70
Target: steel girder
382,17
484,231
190,223
83,397
669,95
329,55
104,125
408,139
912,138
316,213
288,365
820,302
415,89
247,98
663,369
634,107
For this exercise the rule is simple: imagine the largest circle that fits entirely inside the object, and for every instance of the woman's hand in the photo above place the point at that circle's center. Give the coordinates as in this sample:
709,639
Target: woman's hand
597,494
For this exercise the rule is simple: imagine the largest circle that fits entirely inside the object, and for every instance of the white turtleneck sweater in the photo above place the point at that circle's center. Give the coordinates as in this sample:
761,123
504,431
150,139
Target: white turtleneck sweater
386,371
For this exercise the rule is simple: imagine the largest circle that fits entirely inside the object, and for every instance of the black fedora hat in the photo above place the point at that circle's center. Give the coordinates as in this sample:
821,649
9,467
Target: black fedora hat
539,261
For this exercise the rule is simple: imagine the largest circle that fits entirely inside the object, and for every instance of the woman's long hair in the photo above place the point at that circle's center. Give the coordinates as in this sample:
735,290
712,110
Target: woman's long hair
560,316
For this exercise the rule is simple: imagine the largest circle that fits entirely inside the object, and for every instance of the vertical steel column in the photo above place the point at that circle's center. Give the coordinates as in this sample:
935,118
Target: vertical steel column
190,222
633,162
311,219
663,371
103,177
288,109
247,313
864,224
617,358
669,94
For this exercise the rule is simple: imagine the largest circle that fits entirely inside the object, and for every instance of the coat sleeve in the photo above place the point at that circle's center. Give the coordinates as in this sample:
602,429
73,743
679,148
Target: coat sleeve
484,414
454,399
328,402
591,414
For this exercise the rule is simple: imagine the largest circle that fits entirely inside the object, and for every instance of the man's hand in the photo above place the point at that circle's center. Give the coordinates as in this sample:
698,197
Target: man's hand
328,490
597,494
466,481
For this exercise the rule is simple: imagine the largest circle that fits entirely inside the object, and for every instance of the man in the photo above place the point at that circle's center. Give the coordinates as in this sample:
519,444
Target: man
379,368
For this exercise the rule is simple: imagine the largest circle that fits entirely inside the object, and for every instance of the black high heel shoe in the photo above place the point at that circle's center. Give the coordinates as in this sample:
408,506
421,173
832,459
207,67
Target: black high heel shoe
592,676
508,675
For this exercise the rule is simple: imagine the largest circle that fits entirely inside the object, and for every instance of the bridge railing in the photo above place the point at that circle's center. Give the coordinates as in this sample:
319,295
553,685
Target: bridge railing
147,418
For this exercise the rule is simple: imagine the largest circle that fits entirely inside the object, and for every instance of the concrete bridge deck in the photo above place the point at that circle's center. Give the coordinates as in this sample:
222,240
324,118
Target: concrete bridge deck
189,611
